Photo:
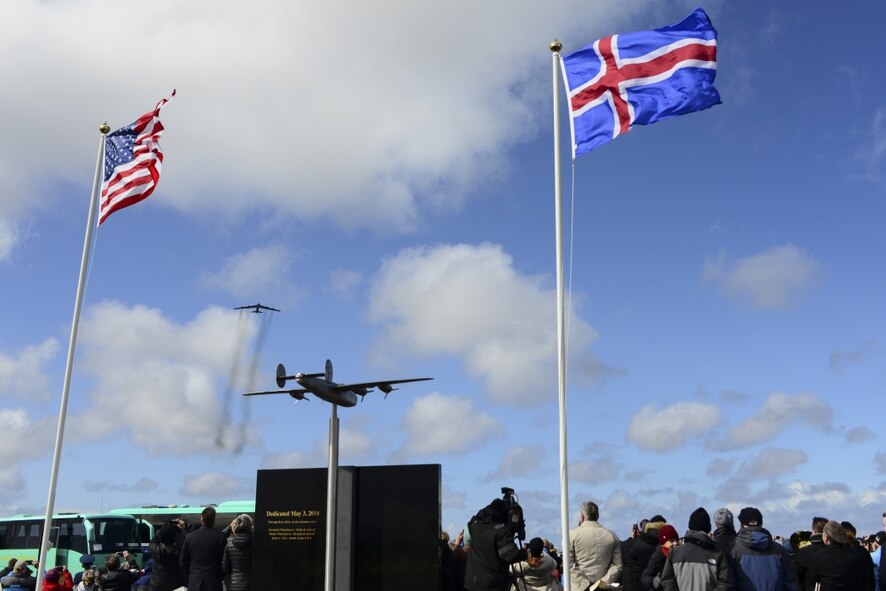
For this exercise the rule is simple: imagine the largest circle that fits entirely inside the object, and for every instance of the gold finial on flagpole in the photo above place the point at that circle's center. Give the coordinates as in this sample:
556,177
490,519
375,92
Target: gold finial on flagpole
104,128
556,46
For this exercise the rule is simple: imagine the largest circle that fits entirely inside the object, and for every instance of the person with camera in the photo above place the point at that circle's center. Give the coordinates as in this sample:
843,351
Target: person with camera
117,576
58,579
20,577
492,549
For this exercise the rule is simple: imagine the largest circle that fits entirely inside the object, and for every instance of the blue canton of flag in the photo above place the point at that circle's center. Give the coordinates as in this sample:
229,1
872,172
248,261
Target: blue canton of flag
640,78
132,162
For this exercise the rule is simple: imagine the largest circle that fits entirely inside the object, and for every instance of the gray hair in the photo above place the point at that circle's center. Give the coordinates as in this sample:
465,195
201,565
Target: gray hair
242,524
590,511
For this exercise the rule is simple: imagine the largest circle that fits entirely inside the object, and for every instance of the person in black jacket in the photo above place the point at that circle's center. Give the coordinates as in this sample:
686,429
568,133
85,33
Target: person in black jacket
492,550
201,555
668,539
837,567
237,561
637,555
853,544
807,556
167,573
117,578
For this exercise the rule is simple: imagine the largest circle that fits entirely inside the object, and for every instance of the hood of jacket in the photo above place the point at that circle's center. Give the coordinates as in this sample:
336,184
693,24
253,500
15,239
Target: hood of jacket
755,538
699,538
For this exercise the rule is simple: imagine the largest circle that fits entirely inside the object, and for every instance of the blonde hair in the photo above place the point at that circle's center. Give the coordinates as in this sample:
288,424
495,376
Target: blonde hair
88,577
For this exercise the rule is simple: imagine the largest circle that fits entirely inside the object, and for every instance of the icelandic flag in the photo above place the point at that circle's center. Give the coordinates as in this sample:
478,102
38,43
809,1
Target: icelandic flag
640,78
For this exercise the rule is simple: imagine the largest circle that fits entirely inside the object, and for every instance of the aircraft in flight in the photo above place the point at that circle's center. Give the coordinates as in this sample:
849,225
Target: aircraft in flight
257,308
322,386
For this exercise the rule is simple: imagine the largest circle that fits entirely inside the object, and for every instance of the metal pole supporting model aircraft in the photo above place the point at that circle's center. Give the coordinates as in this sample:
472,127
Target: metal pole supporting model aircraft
322,386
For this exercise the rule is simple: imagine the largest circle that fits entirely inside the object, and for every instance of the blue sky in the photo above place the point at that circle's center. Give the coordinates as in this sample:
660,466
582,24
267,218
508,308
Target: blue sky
383,175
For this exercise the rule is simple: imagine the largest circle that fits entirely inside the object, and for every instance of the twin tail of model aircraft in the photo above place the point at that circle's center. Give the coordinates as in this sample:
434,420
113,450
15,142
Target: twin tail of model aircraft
322,386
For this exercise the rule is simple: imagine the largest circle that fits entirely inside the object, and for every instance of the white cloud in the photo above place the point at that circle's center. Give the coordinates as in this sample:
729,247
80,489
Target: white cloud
470,301
290,459
213,485
141,485
840,360
720,467
772,462
12,482
255,274
594,471
774,279
351,137
23,376
873,151
8,238
169,372
778,411
859,434
671,427
22,438
438,424
345,282
517,461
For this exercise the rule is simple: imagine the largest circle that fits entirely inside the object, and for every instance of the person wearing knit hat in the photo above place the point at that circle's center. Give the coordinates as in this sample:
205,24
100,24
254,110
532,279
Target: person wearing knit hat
837,566
668,534
536,572
724,530
697,564
700,520
667,537
759,562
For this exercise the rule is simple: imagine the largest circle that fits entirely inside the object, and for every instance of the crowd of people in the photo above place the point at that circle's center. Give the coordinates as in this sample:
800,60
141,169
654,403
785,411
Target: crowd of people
711,555
179,558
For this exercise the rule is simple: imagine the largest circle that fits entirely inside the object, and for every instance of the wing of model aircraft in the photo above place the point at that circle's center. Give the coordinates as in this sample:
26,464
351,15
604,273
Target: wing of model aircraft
298,394
385,386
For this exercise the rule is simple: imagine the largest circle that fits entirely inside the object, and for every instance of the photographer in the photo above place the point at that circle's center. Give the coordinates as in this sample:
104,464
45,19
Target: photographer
492,549
20,577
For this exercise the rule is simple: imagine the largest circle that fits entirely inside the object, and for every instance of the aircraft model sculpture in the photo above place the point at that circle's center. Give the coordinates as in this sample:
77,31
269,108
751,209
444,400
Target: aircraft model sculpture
257,308
322,386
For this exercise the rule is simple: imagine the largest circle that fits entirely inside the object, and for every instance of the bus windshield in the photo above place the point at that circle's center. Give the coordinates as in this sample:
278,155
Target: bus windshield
113,534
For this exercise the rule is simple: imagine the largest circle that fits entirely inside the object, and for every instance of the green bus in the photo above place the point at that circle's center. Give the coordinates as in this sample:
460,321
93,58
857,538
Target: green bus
152,517
71,536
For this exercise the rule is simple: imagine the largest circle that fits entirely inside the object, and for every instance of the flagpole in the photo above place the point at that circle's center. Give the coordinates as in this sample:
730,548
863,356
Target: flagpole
69,365
555,47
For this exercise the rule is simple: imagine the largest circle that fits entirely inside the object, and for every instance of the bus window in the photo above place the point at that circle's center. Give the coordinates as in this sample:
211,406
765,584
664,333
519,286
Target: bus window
72,536
113,535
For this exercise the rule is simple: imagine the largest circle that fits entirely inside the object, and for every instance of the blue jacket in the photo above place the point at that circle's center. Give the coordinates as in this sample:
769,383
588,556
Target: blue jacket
761,564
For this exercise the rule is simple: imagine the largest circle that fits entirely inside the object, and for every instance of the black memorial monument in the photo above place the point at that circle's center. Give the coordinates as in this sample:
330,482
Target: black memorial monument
387,533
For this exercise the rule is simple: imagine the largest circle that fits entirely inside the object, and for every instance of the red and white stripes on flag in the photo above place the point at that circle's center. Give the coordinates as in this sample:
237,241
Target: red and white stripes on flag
132,162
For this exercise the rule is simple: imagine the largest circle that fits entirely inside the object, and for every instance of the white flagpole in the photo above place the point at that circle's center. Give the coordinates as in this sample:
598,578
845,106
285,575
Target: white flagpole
69,365
561,332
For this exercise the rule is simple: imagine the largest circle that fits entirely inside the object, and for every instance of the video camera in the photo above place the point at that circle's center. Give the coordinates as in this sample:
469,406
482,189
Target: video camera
515,522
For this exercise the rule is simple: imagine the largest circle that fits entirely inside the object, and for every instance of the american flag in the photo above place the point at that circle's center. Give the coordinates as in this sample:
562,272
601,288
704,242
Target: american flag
132,162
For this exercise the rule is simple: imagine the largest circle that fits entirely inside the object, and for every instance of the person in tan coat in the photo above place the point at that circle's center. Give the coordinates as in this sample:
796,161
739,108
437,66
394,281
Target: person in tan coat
594,551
